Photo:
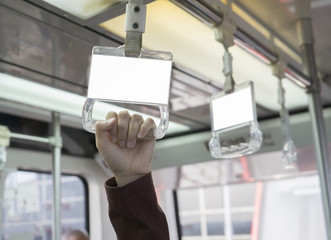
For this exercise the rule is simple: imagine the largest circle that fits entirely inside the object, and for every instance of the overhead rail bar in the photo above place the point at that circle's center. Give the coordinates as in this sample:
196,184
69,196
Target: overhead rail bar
297,77
242,37
201,10
306,44
211,17
55,142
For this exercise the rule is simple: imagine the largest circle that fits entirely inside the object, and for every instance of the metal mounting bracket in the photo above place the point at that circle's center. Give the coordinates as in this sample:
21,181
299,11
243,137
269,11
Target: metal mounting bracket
278,68
227,70
55,141
224,32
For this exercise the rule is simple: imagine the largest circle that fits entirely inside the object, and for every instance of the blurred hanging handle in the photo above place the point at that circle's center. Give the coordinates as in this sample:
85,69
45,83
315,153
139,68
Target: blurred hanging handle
230,112
289,150
235,107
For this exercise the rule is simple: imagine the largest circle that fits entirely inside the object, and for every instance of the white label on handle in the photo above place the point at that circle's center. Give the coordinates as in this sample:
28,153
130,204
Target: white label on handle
233,109
129,79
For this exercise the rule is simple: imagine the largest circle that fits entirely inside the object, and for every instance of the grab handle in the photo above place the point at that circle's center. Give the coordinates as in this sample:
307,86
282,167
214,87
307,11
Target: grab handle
89,123
244,148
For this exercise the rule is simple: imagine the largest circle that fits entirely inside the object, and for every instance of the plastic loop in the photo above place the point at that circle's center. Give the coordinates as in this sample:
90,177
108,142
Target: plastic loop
89,123
252,145
289,155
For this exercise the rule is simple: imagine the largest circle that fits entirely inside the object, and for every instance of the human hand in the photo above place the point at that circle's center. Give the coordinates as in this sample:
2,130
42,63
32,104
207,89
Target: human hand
126,144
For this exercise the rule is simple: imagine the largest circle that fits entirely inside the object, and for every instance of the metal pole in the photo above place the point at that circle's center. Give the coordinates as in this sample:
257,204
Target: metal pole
305,34
28,137
3,176
56,143
228,224
228,227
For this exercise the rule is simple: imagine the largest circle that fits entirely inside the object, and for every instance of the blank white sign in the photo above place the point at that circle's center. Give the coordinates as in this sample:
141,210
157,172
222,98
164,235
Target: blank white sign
129,79
233,109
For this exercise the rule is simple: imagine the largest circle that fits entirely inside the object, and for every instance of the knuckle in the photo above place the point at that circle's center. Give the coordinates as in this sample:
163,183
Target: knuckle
136,117
124,114
150,122
111,115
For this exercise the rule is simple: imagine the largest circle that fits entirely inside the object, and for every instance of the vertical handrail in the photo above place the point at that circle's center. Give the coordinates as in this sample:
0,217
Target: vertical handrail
226,194
306,42
56,143
228,224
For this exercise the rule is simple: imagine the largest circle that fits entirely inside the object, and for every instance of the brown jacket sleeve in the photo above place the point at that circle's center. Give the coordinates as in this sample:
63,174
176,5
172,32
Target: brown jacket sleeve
134,211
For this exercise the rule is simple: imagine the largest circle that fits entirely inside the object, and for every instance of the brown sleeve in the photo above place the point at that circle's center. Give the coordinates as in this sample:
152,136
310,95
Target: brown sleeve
134,211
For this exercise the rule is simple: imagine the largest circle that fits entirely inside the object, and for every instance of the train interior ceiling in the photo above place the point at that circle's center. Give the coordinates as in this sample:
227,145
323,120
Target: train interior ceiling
45,52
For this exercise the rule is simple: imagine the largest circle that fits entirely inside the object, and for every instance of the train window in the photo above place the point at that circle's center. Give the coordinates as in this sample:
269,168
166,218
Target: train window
276,209
27,205
202,213
292,209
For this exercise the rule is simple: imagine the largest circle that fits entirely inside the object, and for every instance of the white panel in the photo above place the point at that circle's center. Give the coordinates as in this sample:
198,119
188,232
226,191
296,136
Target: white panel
233,109
129,79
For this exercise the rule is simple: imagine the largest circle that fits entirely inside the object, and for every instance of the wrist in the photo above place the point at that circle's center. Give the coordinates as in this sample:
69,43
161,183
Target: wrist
124,180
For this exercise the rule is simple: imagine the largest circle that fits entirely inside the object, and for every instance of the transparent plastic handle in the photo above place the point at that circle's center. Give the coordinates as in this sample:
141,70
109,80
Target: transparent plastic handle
232,111
89,123
289,155
252,145
289,150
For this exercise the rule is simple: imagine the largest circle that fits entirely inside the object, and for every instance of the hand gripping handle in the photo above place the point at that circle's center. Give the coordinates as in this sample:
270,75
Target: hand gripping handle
89,123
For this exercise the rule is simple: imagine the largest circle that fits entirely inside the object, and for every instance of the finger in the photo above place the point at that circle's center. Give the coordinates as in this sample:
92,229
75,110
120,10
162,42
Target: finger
135,121
123,127
101,131
147,129
113,131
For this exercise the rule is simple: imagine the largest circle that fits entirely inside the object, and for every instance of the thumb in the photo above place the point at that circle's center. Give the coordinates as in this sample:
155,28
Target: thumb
102,128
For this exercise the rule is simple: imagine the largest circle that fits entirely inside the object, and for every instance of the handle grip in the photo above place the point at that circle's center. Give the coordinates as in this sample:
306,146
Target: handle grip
251,146
89,123
289,156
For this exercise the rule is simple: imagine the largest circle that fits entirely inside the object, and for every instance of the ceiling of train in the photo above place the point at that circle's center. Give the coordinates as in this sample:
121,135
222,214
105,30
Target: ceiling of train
49,42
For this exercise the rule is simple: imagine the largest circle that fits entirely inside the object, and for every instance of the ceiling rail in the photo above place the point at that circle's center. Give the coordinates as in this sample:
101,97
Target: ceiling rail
211,17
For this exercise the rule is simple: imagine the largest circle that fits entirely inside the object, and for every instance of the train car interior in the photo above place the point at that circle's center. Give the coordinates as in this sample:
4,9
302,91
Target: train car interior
267,179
